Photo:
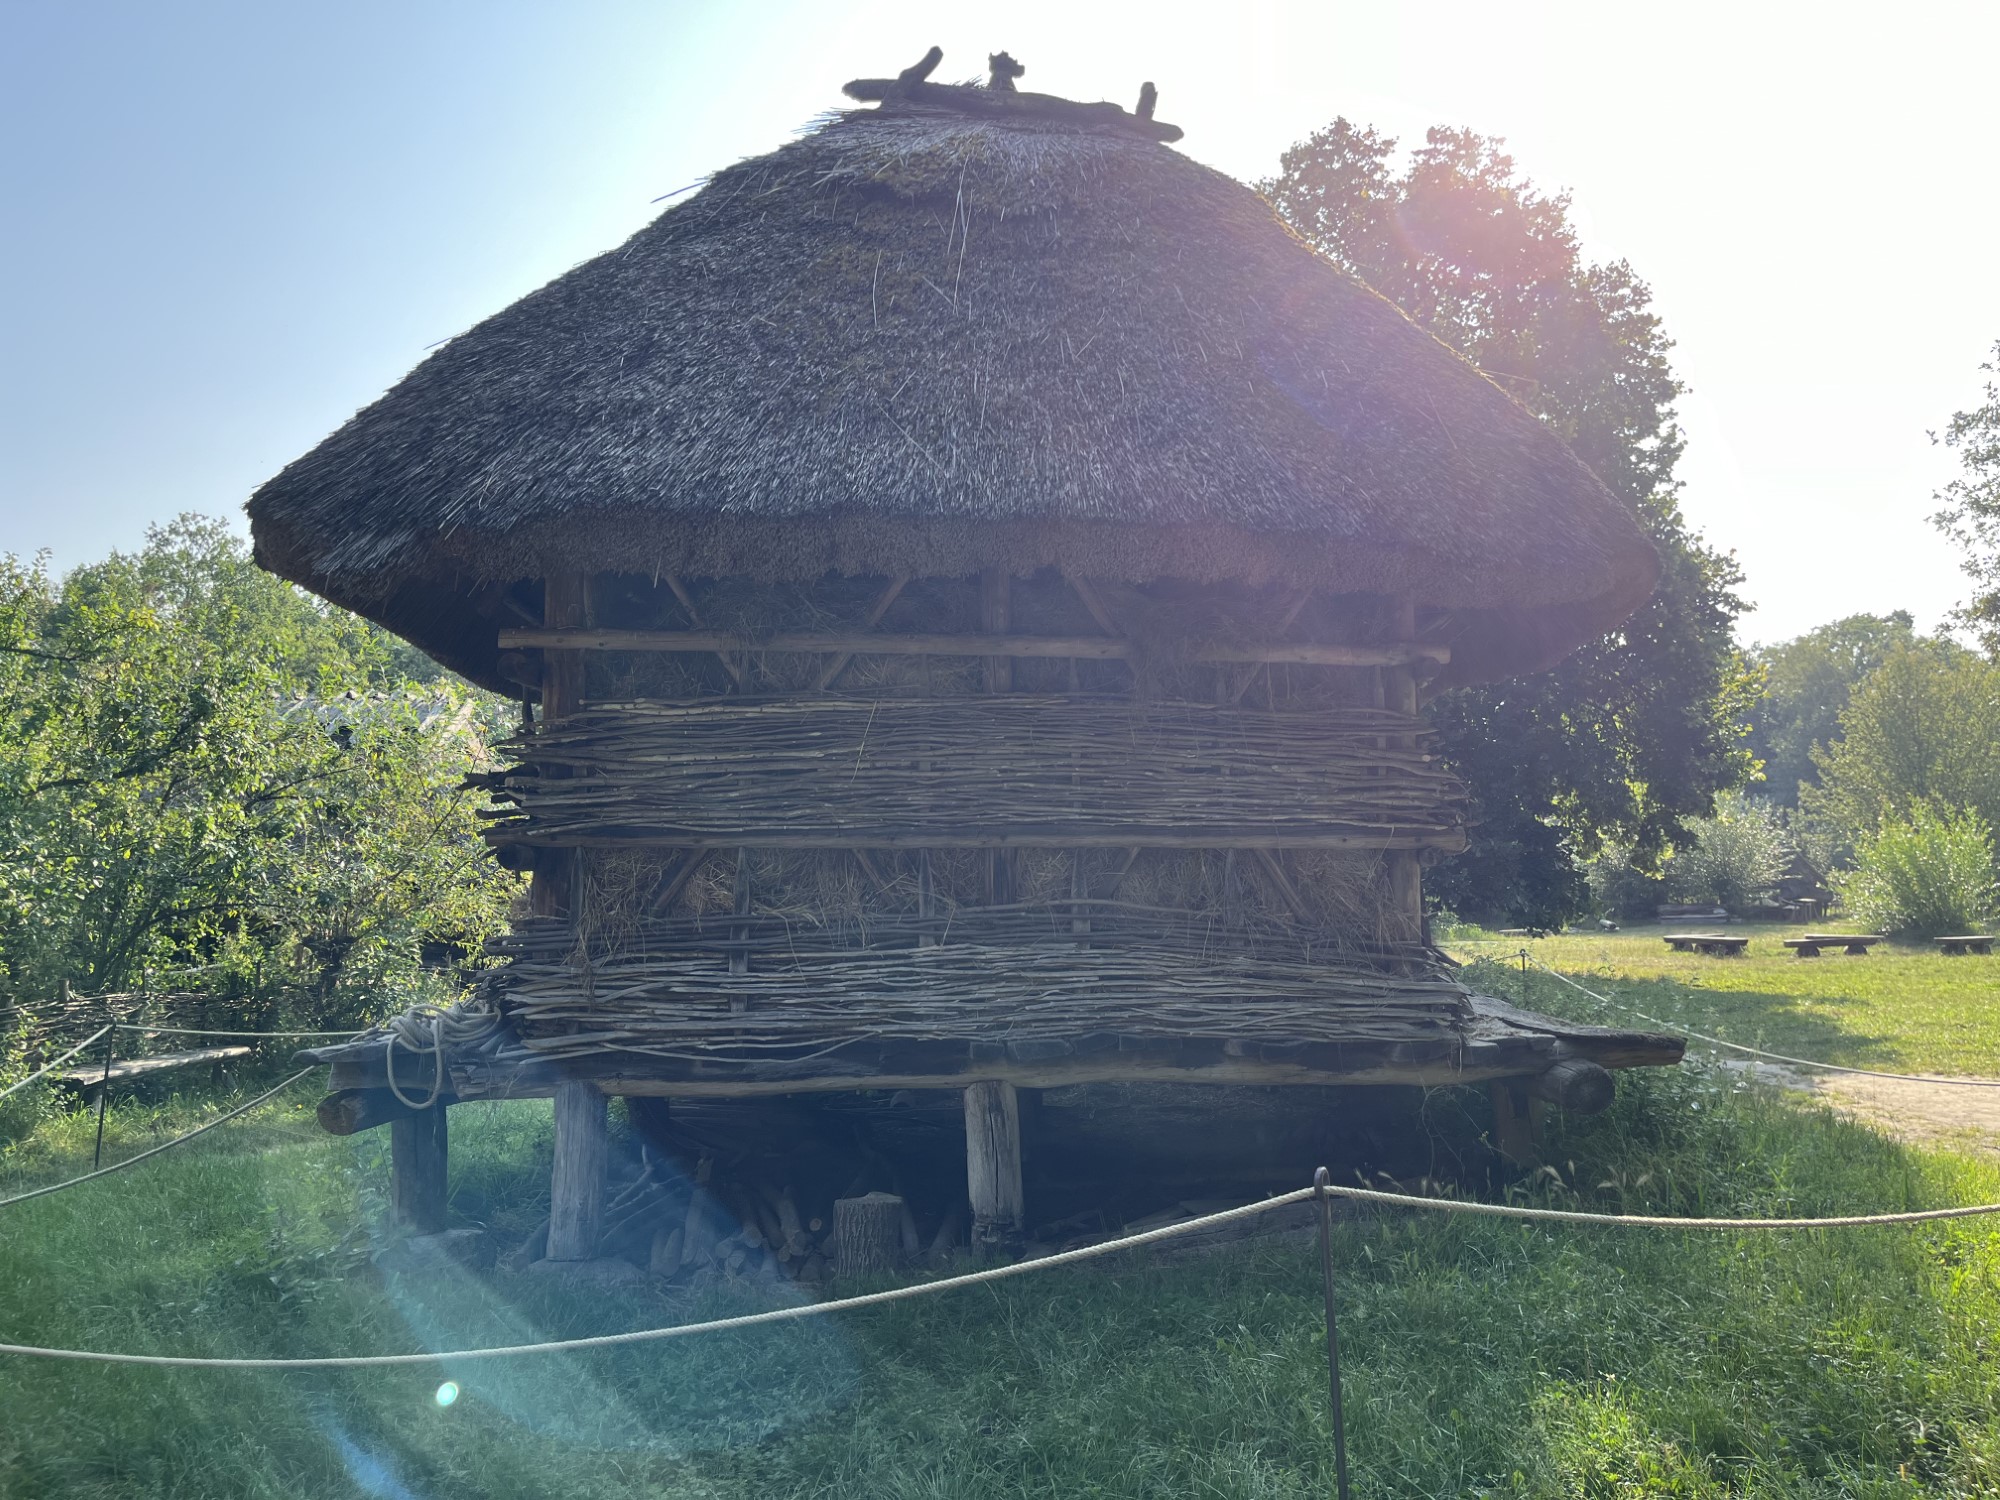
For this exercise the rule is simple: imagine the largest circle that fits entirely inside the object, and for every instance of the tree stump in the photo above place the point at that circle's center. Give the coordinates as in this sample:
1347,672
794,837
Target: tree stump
867,1233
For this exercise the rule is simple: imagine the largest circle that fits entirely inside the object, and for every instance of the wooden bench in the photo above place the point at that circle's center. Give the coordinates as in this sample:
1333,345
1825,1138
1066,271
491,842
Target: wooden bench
123,1070
1856,944
1720,943
1966,942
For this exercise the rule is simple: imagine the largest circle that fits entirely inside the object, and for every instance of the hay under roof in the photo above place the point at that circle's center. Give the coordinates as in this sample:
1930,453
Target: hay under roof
953,332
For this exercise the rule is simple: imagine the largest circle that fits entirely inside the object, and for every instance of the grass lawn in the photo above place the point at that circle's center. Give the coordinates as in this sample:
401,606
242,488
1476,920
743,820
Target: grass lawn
1903,1008
1483,1358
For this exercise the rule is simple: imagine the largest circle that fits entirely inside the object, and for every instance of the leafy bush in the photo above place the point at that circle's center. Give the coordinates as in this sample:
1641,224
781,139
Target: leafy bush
1620,888
1929,873
1737,856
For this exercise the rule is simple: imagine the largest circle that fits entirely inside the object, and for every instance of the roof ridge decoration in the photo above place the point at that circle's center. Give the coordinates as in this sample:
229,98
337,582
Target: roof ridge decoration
999,99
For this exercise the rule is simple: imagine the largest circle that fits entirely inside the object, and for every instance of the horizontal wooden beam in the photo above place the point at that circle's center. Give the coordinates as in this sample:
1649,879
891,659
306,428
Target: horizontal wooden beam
1499,1051
1449,840
868,643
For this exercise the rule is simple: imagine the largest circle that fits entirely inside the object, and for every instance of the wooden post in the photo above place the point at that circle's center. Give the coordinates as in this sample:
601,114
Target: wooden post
993,1162
996,613
867,1233
565,606
418,1151
1517,1121
576,1187
1406,882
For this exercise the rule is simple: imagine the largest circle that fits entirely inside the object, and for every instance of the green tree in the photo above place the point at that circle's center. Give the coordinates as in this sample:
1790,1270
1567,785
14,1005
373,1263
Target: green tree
1924,727
1734,858
209,775
1970,506
1637,732
1807,683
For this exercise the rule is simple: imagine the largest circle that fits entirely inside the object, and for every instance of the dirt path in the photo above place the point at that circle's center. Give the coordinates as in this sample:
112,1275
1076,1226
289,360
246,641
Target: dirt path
1923,1114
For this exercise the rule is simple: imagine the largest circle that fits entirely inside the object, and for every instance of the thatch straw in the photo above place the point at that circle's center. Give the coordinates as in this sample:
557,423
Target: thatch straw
927,342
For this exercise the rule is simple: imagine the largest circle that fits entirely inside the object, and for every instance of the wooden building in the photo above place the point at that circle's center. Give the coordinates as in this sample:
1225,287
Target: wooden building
977,574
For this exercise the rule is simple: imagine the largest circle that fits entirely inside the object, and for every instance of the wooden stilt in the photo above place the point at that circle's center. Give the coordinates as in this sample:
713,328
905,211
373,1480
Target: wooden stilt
417,1170
1517,1120
576,1188
993,1162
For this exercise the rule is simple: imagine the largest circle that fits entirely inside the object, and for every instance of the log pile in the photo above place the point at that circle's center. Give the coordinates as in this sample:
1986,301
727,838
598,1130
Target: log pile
1016,770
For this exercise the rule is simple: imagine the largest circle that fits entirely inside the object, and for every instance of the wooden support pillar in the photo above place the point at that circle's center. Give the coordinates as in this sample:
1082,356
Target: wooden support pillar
1405,873
993,1162
565,606
418,1152
576,1187
996,614
1517,1121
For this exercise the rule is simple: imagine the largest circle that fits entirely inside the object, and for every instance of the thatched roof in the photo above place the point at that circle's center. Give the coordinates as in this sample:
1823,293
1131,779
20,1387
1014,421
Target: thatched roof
960,331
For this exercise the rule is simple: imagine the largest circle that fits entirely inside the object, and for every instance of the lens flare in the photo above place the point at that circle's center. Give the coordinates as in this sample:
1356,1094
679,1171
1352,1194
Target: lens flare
447,1393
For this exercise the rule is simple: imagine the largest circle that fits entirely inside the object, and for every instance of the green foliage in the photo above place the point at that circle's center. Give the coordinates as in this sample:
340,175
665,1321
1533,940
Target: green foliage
1734,858
1970,506
1636,732
1925,874
210,780
1806,685
1619,888
1923,727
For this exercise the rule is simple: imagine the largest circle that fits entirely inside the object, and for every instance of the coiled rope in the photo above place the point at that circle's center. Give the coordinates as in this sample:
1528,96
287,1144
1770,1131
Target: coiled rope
991,1274
1716,1041
434,1031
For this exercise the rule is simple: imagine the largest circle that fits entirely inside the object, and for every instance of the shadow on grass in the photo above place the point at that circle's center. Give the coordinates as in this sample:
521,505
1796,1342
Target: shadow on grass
1767,1020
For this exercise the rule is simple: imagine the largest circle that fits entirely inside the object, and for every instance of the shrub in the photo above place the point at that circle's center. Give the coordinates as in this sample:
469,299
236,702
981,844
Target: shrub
1929,873
1737,856
1619,888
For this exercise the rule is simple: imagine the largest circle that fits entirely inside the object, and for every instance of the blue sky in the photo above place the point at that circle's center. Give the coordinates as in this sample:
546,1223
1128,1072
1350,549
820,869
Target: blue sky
230,224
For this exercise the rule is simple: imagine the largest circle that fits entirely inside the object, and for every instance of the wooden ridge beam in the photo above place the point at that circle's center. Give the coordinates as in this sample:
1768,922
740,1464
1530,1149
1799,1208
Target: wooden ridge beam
863,643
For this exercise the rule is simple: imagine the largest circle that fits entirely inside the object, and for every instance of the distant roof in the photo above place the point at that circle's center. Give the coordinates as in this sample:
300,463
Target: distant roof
967,328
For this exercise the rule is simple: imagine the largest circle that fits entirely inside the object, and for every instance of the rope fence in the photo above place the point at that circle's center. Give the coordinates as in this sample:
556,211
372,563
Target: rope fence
1000,1273
133,1161
197,1031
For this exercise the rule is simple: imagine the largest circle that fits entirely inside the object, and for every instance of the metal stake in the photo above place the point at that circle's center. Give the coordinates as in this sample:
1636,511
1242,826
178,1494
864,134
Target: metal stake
1320,1180
103,1095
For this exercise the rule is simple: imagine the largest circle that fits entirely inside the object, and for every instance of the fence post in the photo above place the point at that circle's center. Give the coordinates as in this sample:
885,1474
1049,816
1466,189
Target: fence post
104,1083
1320,1180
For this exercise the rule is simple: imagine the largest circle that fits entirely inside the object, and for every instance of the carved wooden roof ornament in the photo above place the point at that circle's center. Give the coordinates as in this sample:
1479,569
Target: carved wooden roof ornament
998,98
